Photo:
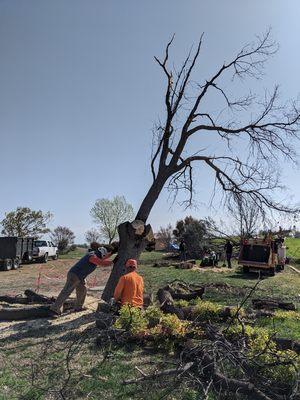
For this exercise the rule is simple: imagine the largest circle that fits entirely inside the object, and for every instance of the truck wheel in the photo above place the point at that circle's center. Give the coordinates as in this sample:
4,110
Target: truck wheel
7,264
45,258
272,271
245,269
15,263
55,257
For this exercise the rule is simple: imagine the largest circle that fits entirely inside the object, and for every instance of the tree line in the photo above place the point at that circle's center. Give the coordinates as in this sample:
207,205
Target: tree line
106,214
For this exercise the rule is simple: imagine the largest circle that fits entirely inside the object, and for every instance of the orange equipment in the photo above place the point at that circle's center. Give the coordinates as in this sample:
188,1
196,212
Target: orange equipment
263,254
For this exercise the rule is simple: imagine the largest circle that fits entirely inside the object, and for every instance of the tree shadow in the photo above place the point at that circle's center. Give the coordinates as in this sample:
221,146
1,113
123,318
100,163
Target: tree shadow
45,328
253,276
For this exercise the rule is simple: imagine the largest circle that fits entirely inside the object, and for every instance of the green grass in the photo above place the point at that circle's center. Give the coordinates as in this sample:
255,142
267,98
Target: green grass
75,254
284,285
293,249
286,328
93,375
96,376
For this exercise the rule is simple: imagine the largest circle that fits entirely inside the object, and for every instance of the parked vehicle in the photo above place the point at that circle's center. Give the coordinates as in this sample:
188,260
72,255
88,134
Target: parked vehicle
266,254
14,251
43,250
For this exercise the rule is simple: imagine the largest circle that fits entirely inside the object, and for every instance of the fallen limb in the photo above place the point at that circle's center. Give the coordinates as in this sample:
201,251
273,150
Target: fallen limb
272,304
24,313
34,297
294,269
167,372
30,297
14,299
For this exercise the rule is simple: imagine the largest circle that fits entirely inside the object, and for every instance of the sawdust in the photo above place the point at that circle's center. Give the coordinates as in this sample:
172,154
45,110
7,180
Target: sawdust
16,330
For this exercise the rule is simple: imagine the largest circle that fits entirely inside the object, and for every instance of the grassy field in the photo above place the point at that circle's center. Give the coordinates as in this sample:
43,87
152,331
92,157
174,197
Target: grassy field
66,363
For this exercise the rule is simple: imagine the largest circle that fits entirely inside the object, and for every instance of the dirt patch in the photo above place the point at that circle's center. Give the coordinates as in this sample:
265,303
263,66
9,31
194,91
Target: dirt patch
46,278
17,330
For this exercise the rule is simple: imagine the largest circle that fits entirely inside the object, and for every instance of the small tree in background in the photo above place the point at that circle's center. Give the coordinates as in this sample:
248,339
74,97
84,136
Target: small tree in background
109,214
195,234
165,235
63,238
26,222
92,235
247,217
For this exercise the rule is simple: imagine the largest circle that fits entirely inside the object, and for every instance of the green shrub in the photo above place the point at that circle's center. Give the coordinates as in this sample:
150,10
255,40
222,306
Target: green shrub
131,319
173,326
182,303
295,315
263,355
153,316
207,310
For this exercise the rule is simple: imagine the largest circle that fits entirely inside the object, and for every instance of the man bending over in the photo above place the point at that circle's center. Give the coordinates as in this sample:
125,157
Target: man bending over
76,278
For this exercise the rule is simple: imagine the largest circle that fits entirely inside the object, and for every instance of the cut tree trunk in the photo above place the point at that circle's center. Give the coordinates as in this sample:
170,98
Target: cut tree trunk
133,239
132,243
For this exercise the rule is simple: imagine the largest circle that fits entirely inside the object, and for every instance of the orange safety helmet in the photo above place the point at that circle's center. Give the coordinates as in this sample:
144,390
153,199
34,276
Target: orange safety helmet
131,263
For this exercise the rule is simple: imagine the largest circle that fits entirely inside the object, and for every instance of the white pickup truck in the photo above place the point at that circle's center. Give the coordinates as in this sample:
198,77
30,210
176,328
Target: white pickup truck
43,250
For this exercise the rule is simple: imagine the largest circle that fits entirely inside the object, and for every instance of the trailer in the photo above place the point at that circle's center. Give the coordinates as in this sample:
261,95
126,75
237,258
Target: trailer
14,251
263,254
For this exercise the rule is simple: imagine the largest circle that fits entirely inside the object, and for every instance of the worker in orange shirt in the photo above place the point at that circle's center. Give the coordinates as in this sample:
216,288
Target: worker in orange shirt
130,288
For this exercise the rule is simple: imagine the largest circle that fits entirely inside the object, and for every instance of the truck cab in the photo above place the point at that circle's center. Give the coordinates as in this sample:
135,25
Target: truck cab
43,250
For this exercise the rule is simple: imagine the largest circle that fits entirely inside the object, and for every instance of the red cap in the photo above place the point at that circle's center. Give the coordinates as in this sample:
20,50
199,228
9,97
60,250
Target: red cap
131,263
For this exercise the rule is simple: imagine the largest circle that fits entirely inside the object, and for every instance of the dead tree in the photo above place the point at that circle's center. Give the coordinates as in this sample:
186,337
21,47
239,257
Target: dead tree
246,215
267,136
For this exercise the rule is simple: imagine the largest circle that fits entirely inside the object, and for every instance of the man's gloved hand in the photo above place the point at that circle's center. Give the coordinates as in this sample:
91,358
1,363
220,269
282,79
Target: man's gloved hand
112,302
114,247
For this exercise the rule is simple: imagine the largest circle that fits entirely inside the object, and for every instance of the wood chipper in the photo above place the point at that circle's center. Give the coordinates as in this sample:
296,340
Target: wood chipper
263,254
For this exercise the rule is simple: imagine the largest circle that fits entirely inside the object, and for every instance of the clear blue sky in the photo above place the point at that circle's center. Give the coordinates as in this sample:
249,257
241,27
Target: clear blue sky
79,93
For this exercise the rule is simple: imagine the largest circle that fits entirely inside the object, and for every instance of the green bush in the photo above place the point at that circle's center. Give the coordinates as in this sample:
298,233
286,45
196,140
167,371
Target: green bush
207,310
153,315
131,319
263,355
294,315
182,303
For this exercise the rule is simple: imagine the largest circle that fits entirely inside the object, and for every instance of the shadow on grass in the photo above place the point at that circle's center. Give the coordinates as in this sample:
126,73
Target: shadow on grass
43,328
253,276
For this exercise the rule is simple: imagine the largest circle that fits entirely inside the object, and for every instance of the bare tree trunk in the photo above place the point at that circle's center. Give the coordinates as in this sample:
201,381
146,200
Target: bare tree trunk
132,244
151,197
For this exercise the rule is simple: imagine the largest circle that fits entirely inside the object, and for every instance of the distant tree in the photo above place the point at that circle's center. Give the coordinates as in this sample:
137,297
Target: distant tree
109,214
63,237
247,216
92,235
26,222
195,234
165,235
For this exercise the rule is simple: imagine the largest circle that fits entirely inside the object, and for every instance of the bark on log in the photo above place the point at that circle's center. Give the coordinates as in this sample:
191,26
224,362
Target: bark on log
34,297
24,313
222,383
14,299
178,295
131,244
287,344
272,304
31,297
167,304
185,265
